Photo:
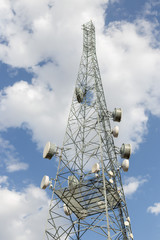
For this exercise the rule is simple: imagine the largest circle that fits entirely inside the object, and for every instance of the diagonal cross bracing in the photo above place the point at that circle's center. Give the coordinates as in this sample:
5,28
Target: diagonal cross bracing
95,204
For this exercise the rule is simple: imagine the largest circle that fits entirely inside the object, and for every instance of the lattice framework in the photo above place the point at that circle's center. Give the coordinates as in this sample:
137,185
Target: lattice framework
97,204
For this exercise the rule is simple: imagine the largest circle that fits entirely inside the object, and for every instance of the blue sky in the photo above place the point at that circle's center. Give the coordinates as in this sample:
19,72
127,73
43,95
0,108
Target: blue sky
40,50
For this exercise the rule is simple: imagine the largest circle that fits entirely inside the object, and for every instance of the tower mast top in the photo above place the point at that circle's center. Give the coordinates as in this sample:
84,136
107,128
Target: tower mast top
89,43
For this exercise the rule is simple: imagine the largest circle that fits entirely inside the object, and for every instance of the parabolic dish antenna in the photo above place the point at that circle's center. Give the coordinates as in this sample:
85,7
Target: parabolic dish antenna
67,211
115,131
79,94
72,182
125,165
125,151
117,114
50,150
110,173
131,235
45,182
126,223
95,168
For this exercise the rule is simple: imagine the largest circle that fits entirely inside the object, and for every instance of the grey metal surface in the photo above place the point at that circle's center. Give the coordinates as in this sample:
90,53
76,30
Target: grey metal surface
86,196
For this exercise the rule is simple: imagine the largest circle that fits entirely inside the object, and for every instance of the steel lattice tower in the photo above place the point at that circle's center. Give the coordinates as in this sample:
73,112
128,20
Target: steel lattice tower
88,199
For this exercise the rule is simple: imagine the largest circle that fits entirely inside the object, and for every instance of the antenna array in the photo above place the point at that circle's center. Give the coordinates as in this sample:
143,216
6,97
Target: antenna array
88,198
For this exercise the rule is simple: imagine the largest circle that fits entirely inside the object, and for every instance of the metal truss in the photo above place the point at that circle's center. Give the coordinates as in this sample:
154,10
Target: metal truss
86,203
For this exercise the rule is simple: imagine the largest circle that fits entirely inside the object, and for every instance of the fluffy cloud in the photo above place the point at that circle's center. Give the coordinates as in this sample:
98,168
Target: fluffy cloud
131,73
10,158
34,31
154,209
3,180
132,184
12,167
44,34
32,107
25,212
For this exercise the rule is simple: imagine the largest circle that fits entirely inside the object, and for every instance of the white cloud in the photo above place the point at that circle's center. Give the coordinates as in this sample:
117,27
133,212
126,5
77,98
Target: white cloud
38,31
3,180
130,67
32,107
10,158
154,209
151,8
128,63
132,184
26,212
17,166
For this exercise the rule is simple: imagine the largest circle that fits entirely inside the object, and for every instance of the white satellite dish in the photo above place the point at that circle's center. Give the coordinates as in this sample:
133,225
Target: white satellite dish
50,150
45,182
126,223
131,235
125,151
72,182
128,219
115,131
111,180
117,114
79,94
110,173
67,210
95,168
125,165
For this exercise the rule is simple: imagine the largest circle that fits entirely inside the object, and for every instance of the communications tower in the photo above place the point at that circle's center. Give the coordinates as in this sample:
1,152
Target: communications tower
88,200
